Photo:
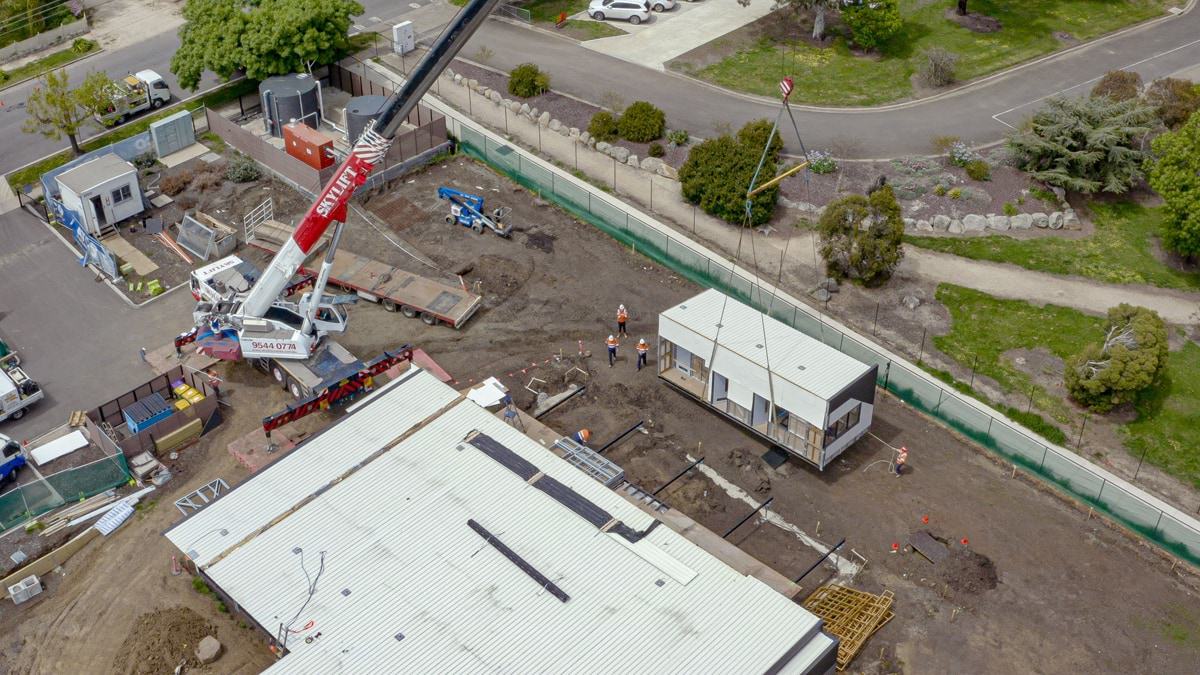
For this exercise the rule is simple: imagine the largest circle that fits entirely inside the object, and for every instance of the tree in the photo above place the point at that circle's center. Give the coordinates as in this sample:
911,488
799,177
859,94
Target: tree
718,172
819,7
56,110
1085,144
1129,360
861,236
873,23
1119,85
1173,175
962,7
1175,100
274,37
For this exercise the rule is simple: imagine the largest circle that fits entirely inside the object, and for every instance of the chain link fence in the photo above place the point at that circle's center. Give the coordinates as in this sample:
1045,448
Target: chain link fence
1141,512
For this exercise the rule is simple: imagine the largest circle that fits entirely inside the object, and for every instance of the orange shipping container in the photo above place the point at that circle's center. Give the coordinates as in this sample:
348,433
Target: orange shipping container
308,145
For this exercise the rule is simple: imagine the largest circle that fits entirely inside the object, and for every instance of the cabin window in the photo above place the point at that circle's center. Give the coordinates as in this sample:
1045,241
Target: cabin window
121,194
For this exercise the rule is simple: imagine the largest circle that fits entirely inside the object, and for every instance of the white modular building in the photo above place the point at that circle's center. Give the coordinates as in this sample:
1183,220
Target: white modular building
422,534
795,392
101,192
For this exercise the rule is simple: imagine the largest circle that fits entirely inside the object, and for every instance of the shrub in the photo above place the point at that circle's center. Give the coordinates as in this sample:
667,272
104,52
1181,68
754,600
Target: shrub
677,138
145,160
641,123
942,144
979,170
200,587
1174,176
940,190
527,80
1129,360
1175,99
873,23
173,184
1044,196
955,193
961,154
484,54
242,169
868,255
1009,209
1119,85
718,172
656,149
938,68
821,162
603,127
210,178
82,45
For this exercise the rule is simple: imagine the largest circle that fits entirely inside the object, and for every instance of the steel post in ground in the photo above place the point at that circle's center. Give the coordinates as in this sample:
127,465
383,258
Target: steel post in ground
1142,459
616,440
614,159
748,517
677,476
1030,406
505,119
821,560
922,352
1082,426
973,365
876,325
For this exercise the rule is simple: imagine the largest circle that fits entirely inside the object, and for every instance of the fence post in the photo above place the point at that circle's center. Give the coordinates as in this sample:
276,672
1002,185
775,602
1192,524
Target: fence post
1045,451
989,430
1159,522
941,393
1103,482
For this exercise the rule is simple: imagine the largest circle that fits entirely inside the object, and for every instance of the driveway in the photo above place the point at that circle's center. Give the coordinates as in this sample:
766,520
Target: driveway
74,335
678,31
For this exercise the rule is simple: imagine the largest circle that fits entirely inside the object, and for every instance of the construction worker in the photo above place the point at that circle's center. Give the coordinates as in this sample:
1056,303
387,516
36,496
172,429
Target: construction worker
901,458
582,436
214,381
642,349
622,318
612,345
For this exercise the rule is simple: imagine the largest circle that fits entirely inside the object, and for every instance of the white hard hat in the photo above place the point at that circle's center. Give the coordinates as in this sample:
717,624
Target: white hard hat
642,341
610,337
621,307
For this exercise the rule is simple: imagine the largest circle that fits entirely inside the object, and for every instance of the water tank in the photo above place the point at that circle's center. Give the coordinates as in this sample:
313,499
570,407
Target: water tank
359,111
289,98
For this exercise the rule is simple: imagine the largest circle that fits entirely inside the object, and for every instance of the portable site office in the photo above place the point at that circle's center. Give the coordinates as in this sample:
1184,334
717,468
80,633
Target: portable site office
796,392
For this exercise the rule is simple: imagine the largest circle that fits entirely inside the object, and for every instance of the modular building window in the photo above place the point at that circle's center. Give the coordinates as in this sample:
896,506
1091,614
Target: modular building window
121,194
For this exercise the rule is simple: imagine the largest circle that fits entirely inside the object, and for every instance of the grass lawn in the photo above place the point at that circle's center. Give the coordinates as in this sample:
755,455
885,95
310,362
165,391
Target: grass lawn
44,64
545,14
833,76
984,327
1120,252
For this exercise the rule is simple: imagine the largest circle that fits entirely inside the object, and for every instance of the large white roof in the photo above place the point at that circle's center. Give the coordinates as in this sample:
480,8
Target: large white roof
409,587
756,337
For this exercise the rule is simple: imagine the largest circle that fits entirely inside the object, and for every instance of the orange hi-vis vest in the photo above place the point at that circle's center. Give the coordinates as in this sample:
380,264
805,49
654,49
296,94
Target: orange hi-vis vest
612,343
622,315
643,347
902,457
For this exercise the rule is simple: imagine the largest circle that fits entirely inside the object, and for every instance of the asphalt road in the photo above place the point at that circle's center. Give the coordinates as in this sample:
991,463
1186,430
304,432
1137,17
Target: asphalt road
74,335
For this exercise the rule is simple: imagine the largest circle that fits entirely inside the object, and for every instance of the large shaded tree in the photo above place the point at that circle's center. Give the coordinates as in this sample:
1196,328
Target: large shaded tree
56,110
1085,144
873,23
862,236
819,8
1175,174
1129,359
272,37
717,174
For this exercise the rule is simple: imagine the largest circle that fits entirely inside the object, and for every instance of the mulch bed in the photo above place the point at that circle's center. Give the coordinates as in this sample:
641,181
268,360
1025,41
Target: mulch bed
976,23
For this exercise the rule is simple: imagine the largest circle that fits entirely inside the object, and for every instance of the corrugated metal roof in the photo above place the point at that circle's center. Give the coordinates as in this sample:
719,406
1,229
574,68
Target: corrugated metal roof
400,560
793,356
94,172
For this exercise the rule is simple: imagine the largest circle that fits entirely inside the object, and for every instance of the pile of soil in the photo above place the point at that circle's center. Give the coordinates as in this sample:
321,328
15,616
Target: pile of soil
976,23
968,572
160,640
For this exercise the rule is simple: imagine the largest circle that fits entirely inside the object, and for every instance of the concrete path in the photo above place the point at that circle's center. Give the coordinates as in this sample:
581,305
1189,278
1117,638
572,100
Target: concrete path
679,31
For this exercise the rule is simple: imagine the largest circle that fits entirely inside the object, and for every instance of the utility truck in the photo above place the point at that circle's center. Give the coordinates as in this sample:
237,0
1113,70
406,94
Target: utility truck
11,459
133,94
17,390
292,339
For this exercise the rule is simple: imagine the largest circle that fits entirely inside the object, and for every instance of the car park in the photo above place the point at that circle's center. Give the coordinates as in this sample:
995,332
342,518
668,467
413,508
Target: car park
633,11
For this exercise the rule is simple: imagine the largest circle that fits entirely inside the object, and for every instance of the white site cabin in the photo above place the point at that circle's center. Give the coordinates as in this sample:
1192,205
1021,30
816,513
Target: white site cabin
795,392
101,192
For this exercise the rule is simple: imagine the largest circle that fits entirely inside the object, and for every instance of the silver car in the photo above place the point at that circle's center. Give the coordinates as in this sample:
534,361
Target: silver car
634,11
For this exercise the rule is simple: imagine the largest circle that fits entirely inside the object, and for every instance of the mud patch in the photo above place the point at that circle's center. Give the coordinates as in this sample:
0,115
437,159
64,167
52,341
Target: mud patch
968,572
160,640
976,23
542,241
1044,368
1066,38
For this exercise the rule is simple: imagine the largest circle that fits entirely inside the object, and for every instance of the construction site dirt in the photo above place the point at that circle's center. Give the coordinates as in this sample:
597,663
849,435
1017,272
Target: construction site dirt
1032,583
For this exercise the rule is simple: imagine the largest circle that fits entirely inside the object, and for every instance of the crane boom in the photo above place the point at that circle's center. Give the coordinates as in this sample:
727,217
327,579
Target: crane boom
331,205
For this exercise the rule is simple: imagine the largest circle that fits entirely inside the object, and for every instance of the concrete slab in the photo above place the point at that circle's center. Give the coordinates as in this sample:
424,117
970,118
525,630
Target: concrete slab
180,156
159,201
209,157
251,450
126,251
671,34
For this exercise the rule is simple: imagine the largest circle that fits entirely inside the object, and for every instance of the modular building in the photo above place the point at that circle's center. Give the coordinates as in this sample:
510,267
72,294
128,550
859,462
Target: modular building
796,392
422,534
101,193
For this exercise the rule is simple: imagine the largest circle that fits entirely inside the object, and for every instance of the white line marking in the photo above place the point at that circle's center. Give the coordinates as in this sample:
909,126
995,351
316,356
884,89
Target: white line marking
375,19
846,569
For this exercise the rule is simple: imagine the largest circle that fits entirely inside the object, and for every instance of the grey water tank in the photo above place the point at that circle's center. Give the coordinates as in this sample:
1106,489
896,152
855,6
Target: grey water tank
287,98
359,111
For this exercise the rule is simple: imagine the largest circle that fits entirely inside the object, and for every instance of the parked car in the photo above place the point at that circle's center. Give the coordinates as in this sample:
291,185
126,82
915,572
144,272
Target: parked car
662,5
633,11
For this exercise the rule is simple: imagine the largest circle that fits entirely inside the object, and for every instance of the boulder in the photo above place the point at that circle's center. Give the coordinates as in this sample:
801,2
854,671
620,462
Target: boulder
208,650
651,164
533,114
1021,221
1060,193
955,227
458,79
941,223
1070,220
1056,220
496,97
924,226
448,73
632,160
524,109
909,224
910,301
573,132
668,171
1041,220
821,295
618,153
830,284
974,223
584,137
999,222
555,125
544,119
473,84
602,147
564,132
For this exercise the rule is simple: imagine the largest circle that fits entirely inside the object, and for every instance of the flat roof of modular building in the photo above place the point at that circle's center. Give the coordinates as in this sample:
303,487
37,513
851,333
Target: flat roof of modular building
94,172
786,352
422,534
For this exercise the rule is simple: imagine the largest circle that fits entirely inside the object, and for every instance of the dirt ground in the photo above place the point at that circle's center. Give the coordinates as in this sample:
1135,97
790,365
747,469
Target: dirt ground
1032,590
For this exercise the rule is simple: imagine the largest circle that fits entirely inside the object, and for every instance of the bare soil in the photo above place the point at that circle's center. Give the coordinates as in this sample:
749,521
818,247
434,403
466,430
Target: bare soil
1032,593
976,23
161,640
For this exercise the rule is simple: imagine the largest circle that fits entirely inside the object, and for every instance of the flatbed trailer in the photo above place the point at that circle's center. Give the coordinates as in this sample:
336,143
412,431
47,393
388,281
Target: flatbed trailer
396,289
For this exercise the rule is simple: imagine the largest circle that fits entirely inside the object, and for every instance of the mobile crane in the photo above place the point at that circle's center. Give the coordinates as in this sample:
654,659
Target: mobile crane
288,338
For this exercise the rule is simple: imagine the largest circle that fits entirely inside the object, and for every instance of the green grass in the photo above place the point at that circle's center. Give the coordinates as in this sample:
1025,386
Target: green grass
547,11
984,327
216,97
1120,252
42,65
1030,420
833,76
